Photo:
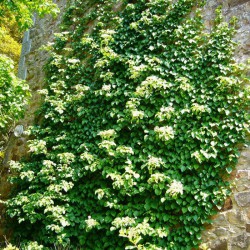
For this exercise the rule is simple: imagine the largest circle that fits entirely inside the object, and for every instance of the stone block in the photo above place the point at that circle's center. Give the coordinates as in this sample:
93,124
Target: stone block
228,204
248,227
234,3
243,173
245,154
242,241
220,221
243,163
221,232
248,213
208,236
235,218
242,199
242,184
220,244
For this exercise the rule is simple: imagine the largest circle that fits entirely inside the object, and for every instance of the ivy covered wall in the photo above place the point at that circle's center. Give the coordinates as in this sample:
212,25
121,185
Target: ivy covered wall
230,228
141,148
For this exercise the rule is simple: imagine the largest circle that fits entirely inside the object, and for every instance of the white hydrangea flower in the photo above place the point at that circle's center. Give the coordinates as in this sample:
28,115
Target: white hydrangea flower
136,70
165,133
87,157
156,178
186,87
137,114
107,134
121,222
107,144
91,223
154,161
107,36
106,88
198,109
175,188
37,146
132,104
165,113
125,150
66,157
48,163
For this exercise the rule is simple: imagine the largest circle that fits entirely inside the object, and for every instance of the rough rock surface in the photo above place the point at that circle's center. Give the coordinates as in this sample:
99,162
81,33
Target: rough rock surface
231,227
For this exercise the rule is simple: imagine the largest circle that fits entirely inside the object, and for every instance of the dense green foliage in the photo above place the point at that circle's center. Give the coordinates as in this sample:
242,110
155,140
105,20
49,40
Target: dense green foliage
14,94
9,47
23,10
142,116
10,37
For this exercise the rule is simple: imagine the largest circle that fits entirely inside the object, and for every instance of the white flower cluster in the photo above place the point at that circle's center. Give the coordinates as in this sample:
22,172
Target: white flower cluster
107,134
137,114
175,188
184,84
87,157
136,71
106,87
198,109
165,113
156,178
73,60
49,164
106,144
125,150
37,146
66,157
107,36
122,222
91,223
81,88
165,133
149,85
186,87
132,104
153,163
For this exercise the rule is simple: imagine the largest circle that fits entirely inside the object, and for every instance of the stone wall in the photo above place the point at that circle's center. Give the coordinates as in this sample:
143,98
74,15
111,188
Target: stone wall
231,227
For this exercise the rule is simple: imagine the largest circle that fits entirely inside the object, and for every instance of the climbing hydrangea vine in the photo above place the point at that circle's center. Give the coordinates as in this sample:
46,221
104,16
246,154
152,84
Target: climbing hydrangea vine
142,115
